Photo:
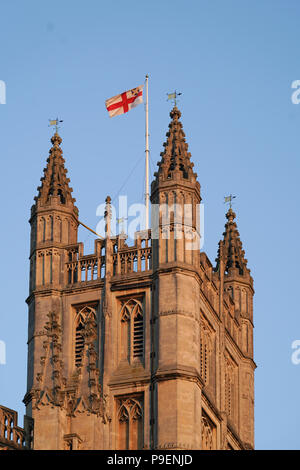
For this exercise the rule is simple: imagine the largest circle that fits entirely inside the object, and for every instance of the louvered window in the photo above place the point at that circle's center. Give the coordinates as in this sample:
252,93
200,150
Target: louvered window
79,344
82,316
205,350
138,336
132,331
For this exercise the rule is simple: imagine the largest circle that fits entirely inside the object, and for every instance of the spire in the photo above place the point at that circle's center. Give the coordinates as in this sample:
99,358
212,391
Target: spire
54,181
231,249
175,162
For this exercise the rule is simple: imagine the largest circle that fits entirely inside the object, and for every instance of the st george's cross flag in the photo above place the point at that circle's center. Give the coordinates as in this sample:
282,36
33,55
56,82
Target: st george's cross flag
124,102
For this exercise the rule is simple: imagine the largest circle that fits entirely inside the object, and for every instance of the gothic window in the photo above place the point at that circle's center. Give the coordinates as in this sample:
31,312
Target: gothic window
239,298
79,343
231,292
60,228
205,350
43,269
130,423
44,228
51,227
228,393
244,306
51,266
81,319
132,330
230,388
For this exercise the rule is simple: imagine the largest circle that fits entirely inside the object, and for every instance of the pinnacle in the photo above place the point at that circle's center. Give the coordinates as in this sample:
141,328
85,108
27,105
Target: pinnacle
175,156
231,248
55,181
56,140
230,215
175,113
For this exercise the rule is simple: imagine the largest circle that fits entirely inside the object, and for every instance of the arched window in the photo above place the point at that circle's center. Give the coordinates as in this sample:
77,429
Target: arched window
81,318
132,330
205,350
130,423
44,228
230,383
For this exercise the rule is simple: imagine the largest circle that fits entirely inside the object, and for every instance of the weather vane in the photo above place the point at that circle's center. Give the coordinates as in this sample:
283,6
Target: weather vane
55,122
228,199
173,96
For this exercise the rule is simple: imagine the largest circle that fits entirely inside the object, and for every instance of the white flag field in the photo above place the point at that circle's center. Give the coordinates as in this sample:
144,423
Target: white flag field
124,102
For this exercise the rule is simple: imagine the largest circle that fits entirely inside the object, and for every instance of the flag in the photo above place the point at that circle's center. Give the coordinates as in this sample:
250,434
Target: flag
124,102
171,96
54,122
229,198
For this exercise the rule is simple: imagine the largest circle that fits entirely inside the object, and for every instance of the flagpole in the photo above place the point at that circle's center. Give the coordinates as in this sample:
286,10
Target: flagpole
147,157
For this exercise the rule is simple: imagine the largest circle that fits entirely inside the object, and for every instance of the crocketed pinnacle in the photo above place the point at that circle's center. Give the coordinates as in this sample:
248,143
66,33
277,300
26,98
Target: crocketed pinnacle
55,181
231,249
175,157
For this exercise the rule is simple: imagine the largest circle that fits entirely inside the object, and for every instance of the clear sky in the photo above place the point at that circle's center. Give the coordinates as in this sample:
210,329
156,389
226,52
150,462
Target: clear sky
234,61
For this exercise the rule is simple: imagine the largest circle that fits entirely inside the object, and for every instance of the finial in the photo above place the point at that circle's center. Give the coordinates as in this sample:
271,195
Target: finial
175,113
56,140
54,122
230,215
107,216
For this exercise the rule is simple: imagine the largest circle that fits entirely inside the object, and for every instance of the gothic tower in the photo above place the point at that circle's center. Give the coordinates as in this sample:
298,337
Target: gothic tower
53,330
237,283
176,376
141,346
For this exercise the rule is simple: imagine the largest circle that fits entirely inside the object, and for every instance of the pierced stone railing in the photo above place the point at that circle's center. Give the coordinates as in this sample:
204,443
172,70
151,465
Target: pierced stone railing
86,268
11,435
132,261
126,259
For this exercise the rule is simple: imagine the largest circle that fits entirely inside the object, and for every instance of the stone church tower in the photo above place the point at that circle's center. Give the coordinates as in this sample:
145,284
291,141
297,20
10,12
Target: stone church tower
147,346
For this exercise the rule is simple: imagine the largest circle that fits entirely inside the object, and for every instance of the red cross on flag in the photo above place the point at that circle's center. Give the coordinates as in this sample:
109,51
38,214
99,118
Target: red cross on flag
124,102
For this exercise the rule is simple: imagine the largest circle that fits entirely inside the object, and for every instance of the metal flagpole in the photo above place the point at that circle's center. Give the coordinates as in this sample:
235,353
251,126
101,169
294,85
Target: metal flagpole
147,158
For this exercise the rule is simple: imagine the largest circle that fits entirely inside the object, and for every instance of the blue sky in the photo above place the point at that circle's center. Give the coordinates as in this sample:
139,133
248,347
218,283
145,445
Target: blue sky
234,62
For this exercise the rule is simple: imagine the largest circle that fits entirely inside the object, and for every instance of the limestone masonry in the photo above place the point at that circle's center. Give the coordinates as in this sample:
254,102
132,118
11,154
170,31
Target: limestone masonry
147,346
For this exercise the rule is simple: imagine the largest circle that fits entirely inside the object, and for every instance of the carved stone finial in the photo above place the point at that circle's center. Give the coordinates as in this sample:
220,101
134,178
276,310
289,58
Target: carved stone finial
56,140
175,113
230,215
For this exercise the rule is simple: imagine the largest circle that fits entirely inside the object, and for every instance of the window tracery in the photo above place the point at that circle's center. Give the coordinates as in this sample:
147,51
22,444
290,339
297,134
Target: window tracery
82,316
132,330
